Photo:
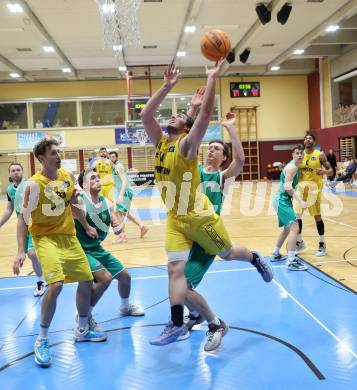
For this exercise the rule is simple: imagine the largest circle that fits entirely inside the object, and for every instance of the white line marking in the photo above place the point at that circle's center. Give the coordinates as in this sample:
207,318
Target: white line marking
155,276
341,223
343,343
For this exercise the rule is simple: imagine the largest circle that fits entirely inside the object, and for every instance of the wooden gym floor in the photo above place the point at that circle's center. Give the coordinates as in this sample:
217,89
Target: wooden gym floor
250,220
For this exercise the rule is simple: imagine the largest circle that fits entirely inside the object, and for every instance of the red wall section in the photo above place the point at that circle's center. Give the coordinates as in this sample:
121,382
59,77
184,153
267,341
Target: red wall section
268,155
313,80
329,138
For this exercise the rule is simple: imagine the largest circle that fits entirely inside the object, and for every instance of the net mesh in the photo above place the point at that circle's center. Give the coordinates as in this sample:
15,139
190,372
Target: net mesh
120,22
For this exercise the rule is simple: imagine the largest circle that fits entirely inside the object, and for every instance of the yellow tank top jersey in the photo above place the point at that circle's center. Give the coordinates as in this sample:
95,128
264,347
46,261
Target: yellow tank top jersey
53,214
179,193
104,169
308,167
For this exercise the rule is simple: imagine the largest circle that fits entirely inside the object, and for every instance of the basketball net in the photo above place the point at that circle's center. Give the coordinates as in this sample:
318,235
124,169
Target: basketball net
119,22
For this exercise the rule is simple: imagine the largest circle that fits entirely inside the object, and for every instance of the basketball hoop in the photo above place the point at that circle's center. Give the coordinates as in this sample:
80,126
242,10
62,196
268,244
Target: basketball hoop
120,22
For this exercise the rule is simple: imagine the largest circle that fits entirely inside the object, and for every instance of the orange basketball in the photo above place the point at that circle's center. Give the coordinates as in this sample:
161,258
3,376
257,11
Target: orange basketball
215,45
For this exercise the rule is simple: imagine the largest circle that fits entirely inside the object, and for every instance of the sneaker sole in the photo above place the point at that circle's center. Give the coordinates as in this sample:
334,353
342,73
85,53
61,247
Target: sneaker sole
297,269
94,340
131,315
320,254
180,338
45,365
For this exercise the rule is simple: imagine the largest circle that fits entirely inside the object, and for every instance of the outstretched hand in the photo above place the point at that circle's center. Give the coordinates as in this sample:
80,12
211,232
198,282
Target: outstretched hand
229,120
197,98
213,72
171,75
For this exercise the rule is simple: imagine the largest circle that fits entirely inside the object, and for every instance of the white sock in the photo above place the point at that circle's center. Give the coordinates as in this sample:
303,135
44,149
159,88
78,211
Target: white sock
82,322
299,237
216,321
41,278
90,310
276,251
291,256
124,302
43,332
322,238
195,313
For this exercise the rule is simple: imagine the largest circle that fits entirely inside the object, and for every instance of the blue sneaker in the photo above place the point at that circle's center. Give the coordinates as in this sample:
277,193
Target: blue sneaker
170,334
42,352
263,267
89,335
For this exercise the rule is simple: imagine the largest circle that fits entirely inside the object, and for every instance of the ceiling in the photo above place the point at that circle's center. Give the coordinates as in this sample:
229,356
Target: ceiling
73,28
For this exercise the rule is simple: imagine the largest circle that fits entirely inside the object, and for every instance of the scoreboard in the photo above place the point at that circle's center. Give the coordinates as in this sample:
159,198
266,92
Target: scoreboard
245,89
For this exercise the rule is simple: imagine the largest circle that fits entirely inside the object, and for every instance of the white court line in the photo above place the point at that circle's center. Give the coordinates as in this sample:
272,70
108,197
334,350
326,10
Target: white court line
343,343
156,276
341,223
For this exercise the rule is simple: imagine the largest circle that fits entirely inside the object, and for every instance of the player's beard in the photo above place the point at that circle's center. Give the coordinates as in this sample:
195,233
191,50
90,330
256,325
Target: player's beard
171,129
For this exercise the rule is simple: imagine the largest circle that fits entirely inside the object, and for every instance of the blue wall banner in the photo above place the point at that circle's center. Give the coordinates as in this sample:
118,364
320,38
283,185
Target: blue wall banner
28,139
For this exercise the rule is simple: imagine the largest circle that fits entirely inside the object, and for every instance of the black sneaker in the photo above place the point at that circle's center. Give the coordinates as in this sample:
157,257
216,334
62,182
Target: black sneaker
190,321
40,289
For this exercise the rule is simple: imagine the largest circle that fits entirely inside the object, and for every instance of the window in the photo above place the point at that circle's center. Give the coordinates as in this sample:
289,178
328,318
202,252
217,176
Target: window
164,112
103,112
183,103
13,116
54,114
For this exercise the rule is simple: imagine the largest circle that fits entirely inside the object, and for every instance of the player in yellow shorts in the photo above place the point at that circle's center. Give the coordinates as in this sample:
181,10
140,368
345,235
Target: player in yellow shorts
49,200
313,167
104,167
191,217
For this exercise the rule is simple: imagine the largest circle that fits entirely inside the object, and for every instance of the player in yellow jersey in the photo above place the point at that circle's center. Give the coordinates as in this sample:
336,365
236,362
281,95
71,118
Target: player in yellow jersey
104,167
49,201
313,167
191,217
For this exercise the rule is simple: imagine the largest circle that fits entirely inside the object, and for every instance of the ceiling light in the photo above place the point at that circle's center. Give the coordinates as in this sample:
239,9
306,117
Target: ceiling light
190,29
298,52
122,68
244,56
48,49
284,13
275,68
108,8
14,75
117,47
181,54
345,76
332,28
264,14
66,70
15,8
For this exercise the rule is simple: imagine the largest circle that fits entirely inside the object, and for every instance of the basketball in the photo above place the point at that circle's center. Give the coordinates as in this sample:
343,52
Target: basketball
215,45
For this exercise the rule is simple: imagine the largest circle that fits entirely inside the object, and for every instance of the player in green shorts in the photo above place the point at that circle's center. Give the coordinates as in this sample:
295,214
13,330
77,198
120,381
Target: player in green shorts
123,195
14,197
100,214
213,181
283,205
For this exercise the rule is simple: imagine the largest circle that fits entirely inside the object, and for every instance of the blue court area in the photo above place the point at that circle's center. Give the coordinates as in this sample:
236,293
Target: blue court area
298,332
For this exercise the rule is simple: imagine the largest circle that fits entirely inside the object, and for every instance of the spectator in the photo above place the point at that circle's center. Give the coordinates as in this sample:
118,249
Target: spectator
39,124
331,158
67,122
347,175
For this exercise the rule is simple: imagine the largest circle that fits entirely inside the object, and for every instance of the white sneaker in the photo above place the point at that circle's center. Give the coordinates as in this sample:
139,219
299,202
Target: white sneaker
322,251
277,257
40,289
300,246
131,310
92,324
215,335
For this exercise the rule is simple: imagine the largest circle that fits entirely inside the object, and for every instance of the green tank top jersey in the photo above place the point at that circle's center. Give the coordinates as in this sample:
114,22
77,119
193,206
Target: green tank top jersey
118,181
15,195
211,183
281,193
97,216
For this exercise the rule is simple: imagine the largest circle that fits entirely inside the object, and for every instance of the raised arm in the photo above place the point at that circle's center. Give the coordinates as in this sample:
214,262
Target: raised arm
124,181
196,103
151,125
238,156
327,170
190,144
